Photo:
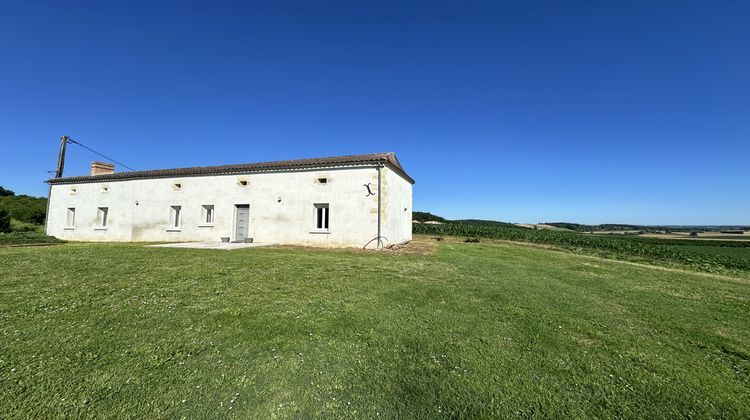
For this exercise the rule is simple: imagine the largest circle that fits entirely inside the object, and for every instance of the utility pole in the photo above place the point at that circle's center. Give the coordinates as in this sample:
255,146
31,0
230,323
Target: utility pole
61,157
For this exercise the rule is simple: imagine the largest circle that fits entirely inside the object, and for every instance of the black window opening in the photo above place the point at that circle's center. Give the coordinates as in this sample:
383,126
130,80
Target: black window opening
321,216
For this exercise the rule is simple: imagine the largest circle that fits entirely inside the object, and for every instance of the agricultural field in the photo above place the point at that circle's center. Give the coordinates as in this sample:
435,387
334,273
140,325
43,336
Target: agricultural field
542,226
674,252
707,248
701,235
438,329
675,235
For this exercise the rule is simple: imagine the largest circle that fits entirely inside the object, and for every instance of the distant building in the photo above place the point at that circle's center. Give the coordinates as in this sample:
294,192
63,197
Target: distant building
345,201
432,222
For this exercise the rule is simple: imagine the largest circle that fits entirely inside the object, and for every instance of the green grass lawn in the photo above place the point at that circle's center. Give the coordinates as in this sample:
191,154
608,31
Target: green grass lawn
475,330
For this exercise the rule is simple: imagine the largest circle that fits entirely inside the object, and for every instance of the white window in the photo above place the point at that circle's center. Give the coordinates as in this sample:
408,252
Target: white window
321,216
101,216
71,219
174,216
208,214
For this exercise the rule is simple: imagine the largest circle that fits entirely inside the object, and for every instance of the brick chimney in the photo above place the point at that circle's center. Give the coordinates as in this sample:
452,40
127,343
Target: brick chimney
102,168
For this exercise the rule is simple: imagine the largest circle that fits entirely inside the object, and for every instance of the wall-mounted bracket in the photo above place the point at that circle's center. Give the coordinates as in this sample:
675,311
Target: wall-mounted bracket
369,191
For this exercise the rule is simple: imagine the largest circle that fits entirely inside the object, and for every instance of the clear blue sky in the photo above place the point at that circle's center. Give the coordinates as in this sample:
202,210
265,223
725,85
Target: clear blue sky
523,111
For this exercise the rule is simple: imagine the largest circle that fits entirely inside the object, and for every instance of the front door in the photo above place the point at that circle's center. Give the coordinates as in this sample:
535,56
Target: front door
242,222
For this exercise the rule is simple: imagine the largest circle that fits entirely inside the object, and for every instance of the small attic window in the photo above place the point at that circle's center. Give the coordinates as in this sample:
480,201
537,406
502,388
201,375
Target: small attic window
73,190
105,188
242,183
322,180
177,186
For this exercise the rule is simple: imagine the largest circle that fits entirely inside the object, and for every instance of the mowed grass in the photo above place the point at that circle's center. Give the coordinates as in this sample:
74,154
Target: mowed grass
474,330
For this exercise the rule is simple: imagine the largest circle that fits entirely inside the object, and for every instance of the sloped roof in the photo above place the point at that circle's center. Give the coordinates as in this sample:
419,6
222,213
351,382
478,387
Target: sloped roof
387,158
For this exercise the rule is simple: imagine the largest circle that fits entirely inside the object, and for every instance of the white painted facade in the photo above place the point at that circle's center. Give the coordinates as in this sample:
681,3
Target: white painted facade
281,206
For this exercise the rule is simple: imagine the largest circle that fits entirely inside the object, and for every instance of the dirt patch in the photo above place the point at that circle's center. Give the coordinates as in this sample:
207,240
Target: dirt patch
420,245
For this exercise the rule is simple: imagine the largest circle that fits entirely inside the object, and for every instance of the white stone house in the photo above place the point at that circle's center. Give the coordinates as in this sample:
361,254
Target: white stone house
345,201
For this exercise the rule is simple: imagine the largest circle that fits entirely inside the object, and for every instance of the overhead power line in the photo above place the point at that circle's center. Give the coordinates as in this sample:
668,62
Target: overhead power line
105,157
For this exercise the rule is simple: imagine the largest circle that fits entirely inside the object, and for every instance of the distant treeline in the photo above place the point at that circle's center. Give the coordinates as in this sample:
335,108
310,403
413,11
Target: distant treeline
479,222
23,207
421,217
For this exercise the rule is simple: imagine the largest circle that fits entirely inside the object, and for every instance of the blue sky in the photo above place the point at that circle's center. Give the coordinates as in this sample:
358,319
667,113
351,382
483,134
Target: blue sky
522,111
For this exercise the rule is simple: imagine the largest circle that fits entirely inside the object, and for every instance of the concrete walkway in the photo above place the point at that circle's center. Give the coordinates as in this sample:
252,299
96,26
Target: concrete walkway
228,246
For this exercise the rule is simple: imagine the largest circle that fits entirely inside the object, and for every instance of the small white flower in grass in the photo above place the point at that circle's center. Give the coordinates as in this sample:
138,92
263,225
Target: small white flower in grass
183,401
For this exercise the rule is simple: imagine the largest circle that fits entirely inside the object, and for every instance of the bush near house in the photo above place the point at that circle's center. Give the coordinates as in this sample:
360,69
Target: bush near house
4,221
21,219
23,207
19,226
27,238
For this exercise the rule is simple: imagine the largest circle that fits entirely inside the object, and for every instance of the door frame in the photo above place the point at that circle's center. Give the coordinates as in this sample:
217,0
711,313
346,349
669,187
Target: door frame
234,225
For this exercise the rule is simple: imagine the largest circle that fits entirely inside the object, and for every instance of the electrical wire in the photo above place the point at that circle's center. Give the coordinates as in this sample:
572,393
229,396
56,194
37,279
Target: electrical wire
94,151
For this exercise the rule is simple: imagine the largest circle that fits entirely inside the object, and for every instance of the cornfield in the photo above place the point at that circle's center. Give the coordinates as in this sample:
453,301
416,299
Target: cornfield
647,248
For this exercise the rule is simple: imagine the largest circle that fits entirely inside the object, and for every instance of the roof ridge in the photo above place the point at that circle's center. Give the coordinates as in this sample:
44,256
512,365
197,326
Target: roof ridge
389,157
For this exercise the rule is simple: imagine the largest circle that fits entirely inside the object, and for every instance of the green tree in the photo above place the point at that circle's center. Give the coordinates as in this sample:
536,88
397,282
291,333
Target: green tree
4,192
